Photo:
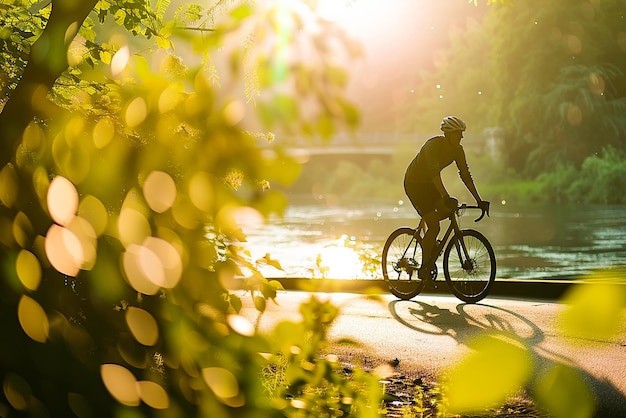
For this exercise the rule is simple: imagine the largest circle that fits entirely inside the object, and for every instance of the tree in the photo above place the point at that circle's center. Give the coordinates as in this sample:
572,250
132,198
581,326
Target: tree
123,187
564,101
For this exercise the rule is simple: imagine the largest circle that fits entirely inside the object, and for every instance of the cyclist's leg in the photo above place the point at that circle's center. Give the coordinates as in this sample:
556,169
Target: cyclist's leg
430,237
424,197
432,220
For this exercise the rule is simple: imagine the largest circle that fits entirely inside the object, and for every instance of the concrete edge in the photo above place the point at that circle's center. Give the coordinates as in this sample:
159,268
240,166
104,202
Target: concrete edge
522,289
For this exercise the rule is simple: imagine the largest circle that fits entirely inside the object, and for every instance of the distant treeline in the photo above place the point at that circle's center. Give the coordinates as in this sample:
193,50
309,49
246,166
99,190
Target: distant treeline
601,179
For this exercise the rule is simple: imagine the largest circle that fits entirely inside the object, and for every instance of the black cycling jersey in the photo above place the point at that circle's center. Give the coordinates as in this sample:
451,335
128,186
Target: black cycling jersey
436,154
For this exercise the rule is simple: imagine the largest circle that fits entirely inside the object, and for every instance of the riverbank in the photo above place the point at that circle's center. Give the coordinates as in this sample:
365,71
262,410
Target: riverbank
520,289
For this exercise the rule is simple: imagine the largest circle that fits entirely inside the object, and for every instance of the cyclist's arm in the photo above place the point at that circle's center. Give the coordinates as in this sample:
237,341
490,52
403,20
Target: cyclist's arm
466,176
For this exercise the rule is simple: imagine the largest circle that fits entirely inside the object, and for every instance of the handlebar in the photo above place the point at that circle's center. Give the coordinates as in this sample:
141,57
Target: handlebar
482,215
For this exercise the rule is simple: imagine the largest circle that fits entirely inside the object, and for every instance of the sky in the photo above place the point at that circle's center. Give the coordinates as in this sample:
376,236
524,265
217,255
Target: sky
400,39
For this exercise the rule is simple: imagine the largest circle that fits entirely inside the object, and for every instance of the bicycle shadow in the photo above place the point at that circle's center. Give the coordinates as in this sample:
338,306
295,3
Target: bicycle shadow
470,321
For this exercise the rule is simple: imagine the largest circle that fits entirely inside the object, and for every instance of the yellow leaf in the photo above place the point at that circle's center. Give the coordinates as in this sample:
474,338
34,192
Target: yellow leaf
267,259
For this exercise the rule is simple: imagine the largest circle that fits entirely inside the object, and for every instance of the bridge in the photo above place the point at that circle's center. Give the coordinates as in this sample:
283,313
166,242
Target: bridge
379,144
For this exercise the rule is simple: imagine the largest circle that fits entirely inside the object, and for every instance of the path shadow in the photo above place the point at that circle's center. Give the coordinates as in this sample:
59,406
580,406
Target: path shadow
468,321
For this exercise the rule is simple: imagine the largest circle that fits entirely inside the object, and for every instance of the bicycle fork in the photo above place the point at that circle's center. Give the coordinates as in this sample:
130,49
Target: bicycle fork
461,248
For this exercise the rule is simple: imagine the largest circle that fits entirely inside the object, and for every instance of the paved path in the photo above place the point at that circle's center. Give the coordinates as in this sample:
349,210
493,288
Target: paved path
432,333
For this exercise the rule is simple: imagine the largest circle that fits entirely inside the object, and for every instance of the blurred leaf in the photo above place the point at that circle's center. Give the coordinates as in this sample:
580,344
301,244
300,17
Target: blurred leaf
594,311
235,302
241,12
276,285
268,292
259,303
325,126
498,368
351,113
563,393
266,259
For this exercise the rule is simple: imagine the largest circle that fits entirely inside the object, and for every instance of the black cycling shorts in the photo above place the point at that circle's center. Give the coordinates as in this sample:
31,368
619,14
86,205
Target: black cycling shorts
423,196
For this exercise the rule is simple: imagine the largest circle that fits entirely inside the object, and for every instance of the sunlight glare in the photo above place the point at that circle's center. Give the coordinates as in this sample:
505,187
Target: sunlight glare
338,261
337,11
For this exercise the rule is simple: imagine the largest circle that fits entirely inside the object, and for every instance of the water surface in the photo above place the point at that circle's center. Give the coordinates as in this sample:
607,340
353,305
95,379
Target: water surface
530,241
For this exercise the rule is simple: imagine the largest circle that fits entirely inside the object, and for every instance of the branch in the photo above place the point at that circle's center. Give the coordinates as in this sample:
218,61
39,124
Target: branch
195,29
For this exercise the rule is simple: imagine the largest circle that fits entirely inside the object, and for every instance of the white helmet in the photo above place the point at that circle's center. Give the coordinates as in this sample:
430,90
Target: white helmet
452,123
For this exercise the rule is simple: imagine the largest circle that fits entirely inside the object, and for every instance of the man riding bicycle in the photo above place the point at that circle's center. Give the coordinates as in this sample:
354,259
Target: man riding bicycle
423,185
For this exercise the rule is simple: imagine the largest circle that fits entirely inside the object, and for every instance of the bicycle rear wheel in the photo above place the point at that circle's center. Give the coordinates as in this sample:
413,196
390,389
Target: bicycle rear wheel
402,256
469,279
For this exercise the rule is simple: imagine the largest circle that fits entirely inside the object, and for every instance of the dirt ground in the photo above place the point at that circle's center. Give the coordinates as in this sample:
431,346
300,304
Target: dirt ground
411,392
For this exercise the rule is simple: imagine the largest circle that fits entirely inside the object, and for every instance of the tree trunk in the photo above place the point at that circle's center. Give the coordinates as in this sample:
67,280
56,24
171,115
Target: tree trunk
47,61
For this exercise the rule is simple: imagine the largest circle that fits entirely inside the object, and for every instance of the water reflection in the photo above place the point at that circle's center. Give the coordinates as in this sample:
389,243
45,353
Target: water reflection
531,242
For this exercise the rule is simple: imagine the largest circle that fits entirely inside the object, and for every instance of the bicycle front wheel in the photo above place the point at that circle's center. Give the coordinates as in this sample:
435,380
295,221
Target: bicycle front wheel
469,274
401,259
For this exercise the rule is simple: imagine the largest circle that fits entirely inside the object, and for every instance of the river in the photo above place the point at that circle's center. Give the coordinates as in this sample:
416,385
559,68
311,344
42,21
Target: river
531,242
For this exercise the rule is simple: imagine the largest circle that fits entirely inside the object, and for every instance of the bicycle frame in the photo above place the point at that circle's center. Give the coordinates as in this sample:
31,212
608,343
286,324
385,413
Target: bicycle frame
452,230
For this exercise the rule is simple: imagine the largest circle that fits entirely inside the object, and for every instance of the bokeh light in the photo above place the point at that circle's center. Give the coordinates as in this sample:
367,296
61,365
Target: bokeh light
120,60
87,238
224,385
171,97
153,394
136,112
33,319
120,383
248,218
159,190
62,200
153,265
8,185
22,230
93,211
17,391
133,261
201,191
63,250
103,133
28,270
72,248
574,114
167,271
596,84
142,325
241,325
133,227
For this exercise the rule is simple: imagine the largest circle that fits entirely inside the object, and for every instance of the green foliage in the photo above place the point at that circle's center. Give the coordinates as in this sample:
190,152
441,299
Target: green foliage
564,101
315,386
122,206
599,180
559,103
19,27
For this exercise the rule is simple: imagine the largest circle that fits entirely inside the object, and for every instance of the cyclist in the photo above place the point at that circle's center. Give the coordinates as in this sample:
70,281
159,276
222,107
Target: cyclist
423,185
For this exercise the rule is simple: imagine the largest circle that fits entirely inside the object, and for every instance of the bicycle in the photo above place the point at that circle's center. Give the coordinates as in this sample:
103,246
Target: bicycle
469,262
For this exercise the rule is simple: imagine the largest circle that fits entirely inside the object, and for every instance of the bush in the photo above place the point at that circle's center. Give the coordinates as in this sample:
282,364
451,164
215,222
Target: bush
600,179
